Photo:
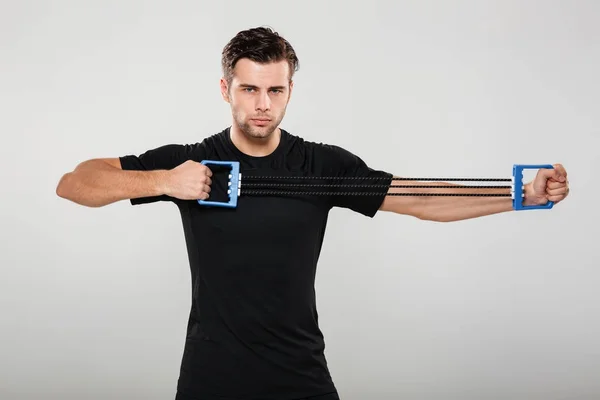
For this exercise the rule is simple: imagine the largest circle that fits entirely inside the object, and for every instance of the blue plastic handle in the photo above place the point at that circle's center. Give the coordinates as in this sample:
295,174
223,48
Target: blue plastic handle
234,184
517,191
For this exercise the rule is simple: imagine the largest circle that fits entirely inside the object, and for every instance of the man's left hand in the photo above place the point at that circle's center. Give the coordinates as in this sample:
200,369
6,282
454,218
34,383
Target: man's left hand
548,185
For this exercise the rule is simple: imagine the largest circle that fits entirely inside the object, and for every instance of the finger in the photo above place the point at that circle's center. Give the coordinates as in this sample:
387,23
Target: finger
556,199
208,172
205,179
560,174
548,173
561,169
557,192
555,185
206,189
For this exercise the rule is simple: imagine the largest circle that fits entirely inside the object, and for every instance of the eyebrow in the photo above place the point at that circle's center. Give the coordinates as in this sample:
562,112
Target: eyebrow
247,85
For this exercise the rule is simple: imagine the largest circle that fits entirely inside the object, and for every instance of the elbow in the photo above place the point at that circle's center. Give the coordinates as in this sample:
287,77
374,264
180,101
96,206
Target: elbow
424,213
427,212
420,208
62,189
432,217
68,183
67,188
70,187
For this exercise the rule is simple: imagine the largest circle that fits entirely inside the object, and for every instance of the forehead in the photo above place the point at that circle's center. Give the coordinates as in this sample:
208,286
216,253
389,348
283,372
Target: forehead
261,74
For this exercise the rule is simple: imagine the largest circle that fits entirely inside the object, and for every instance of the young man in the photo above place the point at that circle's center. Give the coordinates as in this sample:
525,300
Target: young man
253,328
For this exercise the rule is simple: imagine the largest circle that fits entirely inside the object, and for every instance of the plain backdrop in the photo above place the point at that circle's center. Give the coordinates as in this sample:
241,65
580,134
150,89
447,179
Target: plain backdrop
94,302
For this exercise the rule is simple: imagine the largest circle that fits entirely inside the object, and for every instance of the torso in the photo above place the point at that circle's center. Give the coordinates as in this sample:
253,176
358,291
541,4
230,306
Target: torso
254,315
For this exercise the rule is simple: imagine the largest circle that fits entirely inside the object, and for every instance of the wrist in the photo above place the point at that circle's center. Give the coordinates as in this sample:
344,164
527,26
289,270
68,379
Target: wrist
161,182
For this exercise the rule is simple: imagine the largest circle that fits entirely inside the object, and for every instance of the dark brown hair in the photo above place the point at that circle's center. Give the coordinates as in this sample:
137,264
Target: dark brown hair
261,45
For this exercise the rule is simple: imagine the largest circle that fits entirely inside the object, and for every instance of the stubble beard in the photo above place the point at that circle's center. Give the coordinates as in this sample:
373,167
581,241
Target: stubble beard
257,132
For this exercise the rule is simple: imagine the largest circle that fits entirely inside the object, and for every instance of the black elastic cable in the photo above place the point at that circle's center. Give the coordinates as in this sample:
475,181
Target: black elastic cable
314,185
266,189
256,178
301,193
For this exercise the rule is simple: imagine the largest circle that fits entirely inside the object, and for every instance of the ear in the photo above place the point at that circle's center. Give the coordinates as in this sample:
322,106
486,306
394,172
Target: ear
291,89
224,90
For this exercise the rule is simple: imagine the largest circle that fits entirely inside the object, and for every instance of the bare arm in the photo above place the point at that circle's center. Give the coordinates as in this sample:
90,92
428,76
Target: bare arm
102,181
548,185
447,208
99,182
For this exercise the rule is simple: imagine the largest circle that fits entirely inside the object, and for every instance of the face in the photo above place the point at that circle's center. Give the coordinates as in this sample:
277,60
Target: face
258,95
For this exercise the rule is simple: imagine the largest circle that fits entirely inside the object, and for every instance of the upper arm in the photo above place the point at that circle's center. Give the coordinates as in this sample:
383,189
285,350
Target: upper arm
339,162
114,162
161,158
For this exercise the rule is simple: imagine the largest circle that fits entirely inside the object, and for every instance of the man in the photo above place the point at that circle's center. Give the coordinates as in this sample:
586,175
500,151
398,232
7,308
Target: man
253,328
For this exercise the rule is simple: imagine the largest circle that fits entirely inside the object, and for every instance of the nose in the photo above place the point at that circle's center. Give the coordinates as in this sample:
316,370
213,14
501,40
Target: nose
263,102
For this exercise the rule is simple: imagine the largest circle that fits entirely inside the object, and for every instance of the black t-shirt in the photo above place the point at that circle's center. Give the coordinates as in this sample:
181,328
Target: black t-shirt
253,329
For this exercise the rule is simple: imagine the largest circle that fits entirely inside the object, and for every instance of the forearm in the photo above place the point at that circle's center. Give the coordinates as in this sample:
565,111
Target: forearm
95,183
450,208
457,208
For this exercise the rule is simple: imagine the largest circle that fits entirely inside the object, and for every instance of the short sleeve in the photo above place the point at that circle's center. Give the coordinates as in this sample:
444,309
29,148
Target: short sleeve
341,163
161,158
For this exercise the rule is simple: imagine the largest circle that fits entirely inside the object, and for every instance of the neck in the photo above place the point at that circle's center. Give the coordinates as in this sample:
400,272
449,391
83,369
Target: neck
255,147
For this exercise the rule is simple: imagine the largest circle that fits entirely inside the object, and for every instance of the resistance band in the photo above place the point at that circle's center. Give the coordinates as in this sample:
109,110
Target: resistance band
257,187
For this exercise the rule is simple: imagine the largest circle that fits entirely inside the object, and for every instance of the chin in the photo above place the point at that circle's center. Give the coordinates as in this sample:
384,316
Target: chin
259,132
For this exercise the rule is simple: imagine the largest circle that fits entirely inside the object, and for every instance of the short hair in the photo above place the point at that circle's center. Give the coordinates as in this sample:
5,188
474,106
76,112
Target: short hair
260,44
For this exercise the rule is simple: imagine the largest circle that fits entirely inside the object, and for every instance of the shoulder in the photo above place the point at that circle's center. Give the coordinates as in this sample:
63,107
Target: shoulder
196,150
203,147
320,148
214,141
329,157
168,156
328,160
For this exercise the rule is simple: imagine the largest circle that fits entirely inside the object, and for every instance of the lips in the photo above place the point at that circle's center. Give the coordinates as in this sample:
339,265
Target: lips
260,121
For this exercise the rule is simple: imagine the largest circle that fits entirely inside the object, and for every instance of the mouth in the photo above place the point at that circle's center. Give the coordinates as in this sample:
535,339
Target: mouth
260,121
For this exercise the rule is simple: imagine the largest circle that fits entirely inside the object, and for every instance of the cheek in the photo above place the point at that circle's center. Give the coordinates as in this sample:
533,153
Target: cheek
281,100
239,105
243,102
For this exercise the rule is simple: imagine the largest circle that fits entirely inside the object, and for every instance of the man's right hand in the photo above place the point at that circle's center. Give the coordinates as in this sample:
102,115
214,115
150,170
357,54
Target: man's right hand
189,181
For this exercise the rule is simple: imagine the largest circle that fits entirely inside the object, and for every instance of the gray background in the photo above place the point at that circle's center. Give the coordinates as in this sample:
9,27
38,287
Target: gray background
95,301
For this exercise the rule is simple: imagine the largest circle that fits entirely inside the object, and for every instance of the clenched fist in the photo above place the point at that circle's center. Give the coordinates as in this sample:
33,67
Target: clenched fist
548,185
189,181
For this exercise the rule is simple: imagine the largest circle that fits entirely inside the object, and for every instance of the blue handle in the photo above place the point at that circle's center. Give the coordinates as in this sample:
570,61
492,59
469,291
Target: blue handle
234,184
517,191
